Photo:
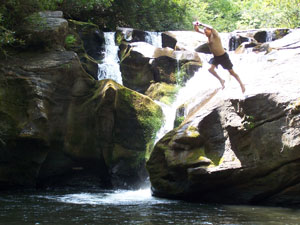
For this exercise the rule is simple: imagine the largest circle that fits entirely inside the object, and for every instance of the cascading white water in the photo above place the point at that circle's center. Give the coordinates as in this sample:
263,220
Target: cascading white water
196,86
117,197
203,82
154,38
110,68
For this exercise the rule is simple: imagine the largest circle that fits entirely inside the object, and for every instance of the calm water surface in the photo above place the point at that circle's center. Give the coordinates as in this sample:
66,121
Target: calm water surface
128,207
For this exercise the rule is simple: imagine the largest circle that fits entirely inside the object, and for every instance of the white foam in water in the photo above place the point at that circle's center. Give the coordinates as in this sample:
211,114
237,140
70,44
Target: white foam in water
118,197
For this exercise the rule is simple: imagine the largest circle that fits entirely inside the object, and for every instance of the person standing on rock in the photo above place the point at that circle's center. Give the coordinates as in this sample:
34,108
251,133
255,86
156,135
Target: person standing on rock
220,55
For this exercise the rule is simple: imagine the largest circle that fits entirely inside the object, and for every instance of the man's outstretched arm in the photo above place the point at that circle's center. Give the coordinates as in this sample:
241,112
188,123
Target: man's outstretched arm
196,28
197,24
205,25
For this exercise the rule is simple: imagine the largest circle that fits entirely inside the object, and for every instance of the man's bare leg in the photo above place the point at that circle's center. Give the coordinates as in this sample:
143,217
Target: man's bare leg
231,71
213,72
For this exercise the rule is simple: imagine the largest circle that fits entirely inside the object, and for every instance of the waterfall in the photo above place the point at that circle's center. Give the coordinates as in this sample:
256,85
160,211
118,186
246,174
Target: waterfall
269,36
193,88
203,82
110,68
154,38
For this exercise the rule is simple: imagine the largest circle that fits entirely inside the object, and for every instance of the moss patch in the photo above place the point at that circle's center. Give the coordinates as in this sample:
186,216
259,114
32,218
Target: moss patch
138,120
163,92
178,120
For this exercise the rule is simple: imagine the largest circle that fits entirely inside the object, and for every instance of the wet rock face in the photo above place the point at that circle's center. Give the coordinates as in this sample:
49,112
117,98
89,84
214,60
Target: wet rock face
130,35
25,98
253,37
141,64
91,36
238,150
236,41
45,29
57,123
168,40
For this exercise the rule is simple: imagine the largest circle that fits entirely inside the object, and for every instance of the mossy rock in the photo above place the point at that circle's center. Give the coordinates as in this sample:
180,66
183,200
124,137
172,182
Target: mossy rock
164,69
73,42
180,115
162,92
136,115
136,71
90,65
44,30
92,38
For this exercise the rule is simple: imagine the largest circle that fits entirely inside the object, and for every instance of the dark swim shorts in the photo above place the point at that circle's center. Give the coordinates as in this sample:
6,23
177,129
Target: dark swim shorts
224,60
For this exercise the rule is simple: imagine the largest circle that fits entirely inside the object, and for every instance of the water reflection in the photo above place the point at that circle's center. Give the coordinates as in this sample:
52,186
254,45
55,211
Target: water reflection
130,207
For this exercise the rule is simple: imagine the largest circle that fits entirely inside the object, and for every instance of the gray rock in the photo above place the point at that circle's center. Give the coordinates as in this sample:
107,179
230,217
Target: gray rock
238,150
57,123
45,29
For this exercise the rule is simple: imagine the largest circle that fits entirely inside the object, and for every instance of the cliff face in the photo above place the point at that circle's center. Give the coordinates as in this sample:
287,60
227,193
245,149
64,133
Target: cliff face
242,150
60,125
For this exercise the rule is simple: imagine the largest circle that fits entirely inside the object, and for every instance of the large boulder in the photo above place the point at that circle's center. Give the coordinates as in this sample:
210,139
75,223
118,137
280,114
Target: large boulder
251,38
26,94
57,123
130,35
236,40
91,36
87,41
177,68
238,150
142,63
168,40
136,71
203,48
49,30
162,92
44,29
165,69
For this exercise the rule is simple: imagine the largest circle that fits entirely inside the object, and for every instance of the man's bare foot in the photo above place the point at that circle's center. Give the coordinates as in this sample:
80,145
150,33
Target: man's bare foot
243,88
222,83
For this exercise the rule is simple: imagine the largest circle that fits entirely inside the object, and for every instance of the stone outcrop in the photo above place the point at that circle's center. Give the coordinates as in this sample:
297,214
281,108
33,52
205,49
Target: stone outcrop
56,119
58,125
168,40
238,150
130,35
87,41
91,36
142,63
45,29
254,37
162,92
183,40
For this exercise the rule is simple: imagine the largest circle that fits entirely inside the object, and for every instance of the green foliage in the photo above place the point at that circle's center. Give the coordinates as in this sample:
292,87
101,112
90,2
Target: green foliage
7,37
178,120
269,13
70,40
155,15
14,11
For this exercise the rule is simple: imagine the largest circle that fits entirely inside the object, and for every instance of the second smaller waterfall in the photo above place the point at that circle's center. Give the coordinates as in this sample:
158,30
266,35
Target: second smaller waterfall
110,68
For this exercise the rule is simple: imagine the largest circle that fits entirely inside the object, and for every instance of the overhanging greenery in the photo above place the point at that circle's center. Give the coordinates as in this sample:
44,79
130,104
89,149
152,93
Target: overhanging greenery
155,15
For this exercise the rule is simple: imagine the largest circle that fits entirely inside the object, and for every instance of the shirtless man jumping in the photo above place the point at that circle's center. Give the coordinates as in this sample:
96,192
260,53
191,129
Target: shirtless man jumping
220,56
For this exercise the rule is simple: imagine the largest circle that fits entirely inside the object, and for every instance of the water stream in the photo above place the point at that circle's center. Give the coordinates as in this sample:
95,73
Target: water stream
134,207
110,67
69,207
